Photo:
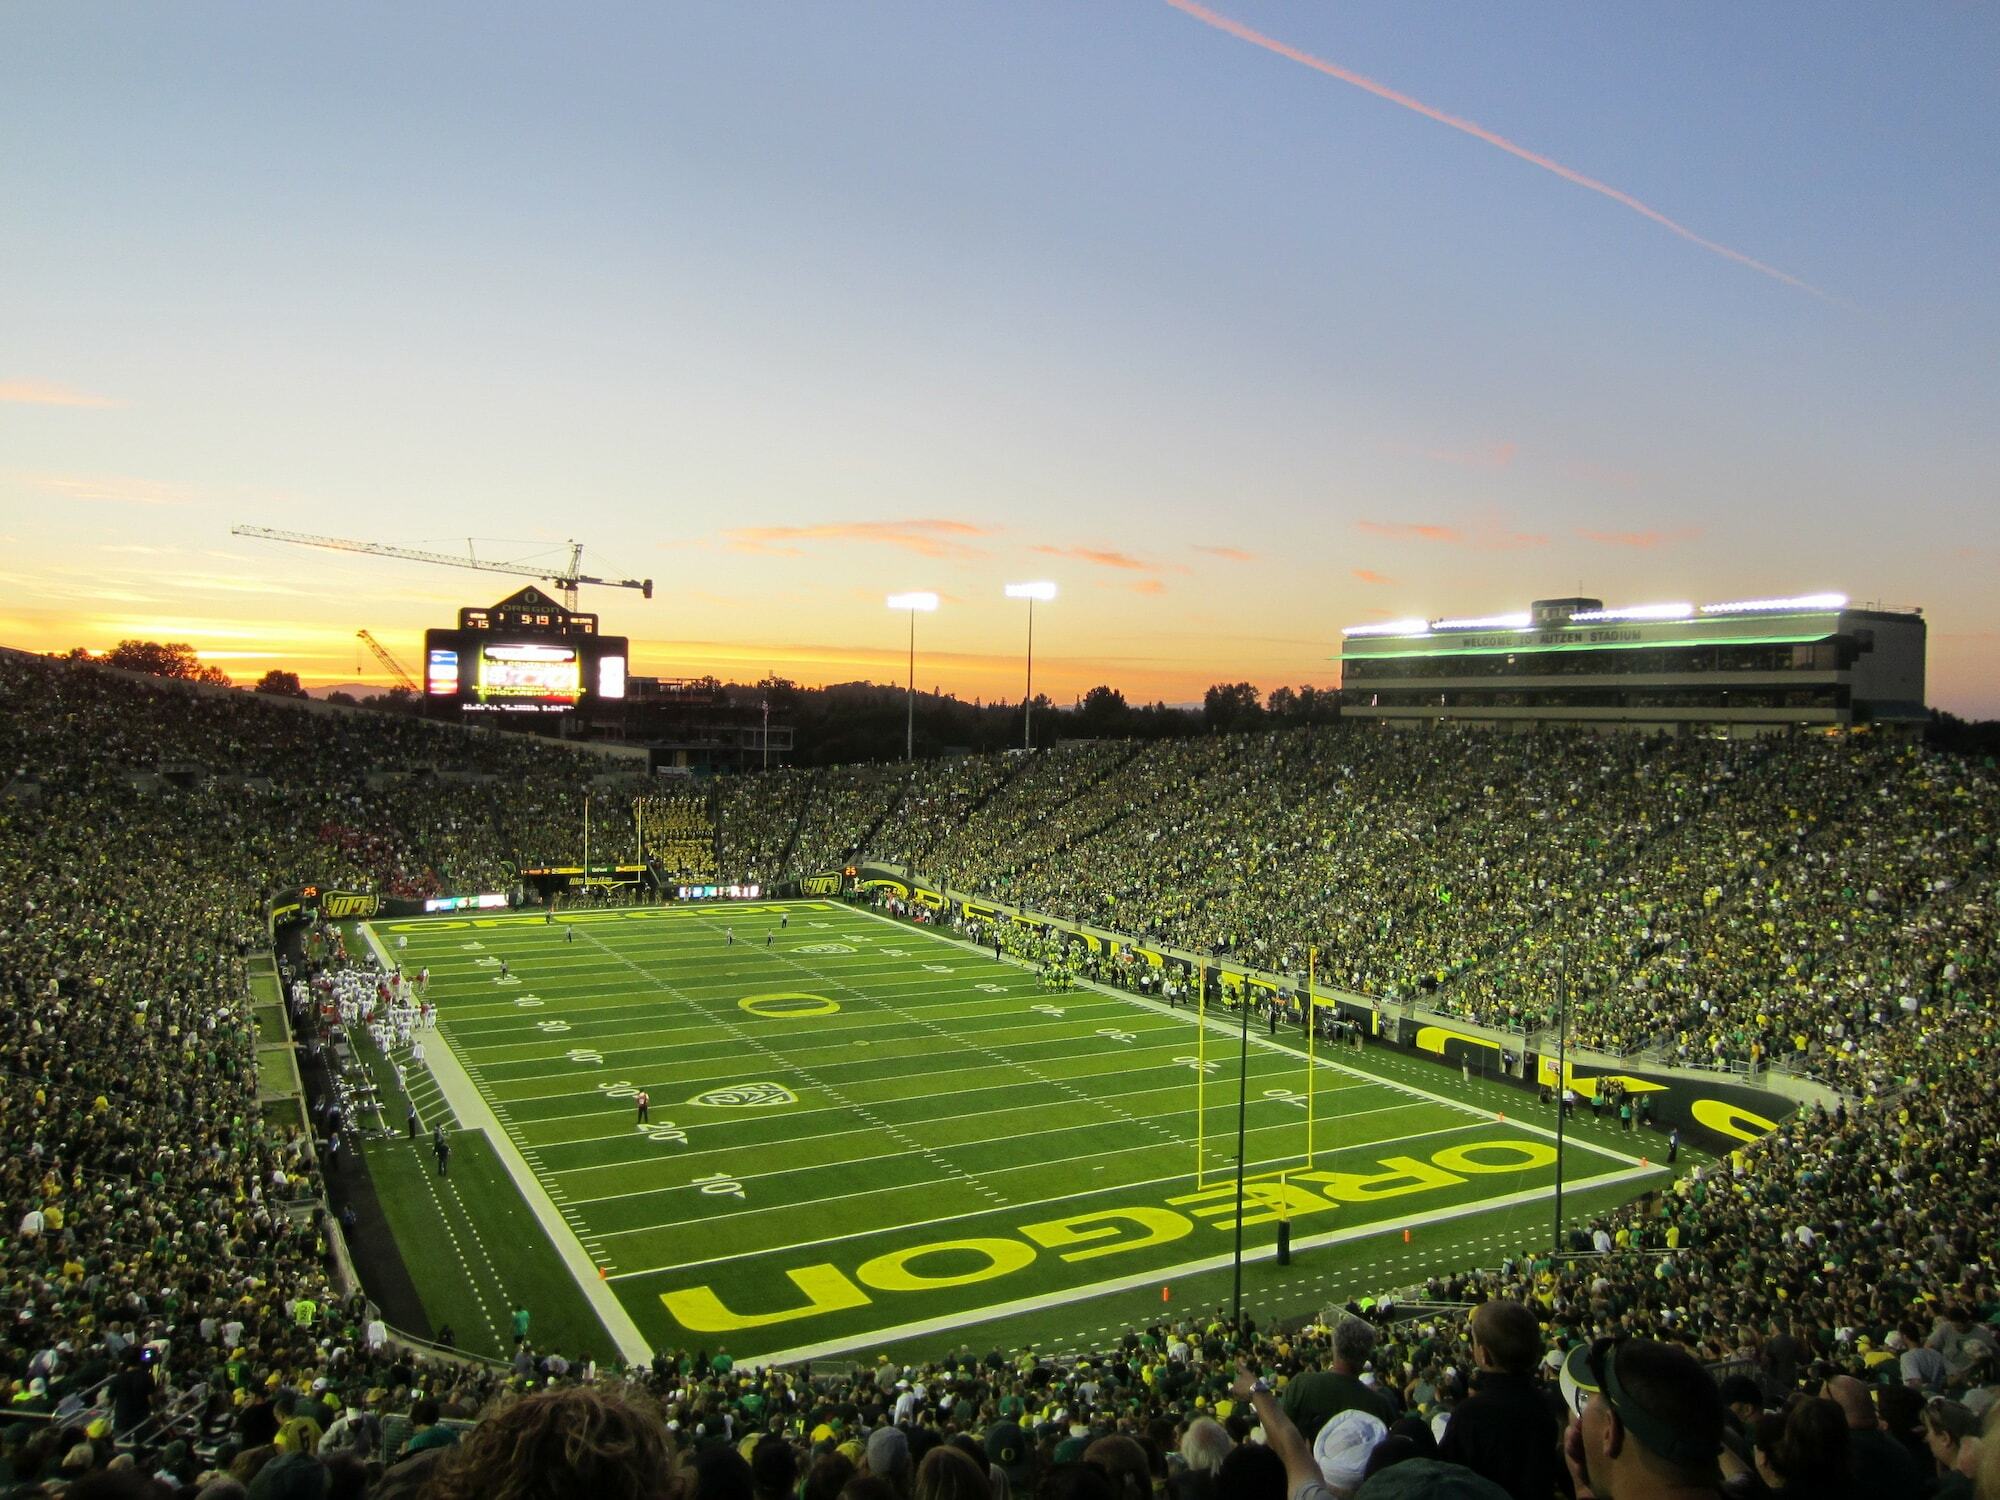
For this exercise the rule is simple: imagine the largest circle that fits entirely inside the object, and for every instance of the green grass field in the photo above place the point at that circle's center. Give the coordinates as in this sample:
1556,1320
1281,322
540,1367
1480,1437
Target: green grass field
865,1134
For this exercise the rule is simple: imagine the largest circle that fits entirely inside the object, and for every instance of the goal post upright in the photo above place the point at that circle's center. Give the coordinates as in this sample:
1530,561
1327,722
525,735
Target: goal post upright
1312,1065
1201,1077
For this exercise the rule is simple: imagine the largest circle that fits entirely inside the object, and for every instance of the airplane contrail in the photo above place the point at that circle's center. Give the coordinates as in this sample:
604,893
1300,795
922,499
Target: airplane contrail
1479,132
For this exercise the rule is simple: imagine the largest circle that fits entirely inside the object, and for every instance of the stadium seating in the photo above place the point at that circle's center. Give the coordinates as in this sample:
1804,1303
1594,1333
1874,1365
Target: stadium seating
1823,903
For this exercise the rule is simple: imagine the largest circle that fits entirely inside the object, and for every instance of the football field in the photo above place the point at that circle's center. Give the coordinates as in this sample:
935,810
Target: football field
861,1131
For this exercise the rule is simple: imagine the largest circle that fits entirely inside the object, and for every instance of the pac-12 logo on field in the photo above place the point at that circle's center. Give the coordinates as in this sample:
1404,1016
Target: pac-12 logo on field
746,1096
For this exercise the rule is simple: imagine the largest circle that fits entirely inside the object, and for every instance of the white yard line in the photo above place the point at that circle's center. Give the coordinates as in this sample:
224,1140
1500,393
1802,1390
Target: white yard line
1259,1172
471,1108
677,1081
483,1017
1259,1167
789,1116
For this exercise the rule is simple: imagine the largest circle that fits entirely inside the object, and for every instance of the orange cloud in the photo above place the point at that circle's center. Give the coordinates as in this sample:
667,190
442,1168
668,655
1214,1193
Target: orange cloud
1098,557
1490,537
47,393
927,538
1229,554
1369,575
1493,456
1149,586
1411,531
1639,538
1480,133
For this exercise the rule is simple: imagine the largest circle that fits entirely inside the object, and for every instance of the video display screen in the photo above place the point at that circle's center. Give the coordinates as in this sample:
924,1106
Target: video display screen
441,676
524,669
611,677
531,673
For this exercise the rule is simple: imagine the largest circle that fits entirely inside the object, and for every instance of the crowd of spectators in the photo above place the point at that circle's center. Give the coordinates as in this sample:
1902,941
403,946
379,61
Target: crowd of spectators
171,1314
676,826
759,815
1816,903
159,1231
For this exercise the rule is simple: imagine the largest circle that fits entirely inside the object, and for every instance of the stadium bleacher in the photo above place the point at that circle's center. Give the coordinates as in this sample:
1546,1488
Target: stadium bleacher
1821,904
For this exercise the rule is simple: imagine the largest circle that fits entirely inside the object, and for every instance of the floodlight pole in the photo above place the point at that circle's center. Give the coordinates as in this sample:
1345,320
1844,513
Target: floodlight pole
913,603
1562,1092
1242,1107
1028,702
1031,592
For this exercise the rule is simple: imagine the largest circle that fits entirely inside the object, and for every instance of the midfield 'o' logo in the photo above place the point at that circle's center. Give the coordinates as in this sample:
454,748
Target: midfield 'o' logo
746,1096
789,1005
826,948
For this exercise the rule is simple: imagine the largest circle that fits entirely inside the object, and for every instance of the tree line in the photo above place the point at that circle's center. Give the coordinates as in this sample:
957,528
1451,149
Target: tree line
855,721
863,721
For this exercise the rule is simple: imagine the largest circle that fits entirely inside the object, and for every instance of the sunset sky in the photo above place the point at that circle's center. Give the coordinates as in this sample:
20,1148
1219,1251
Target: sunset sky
1240,324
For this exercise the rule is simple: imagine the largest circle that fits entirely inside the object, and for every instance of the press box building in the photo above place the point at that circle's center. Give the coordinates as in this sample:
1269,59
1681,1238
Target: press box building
1756,666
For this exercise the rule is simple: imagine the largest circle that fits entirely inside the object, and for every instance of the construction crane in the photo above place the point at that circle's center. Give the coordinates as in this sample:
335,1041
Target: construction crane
394,667
565,579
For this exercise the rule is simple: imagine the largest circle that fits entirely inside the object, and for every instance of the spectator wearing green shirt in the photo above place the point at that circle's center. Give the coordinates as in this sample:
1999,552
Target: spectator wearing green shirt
426,1430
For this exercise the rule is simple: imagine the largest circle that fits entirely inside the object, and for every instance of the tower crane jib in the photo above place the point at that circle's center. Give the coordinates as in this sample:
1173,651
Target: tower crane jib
567,580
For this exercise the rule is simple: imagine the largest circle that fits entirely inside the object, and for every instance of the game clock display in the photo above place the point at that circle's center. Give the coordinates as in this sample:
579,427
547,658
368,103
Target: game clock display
524,655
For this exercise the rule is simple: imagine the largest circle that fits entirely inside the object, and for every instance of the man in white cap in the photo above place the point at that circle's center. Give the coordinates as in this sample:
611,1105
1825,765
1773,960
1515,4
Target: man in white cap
1308,1476
1342,1448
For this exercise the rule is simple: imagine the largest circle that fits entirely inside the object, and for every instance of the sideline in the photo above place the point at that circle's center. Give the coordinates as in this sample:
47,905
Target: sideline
474,1112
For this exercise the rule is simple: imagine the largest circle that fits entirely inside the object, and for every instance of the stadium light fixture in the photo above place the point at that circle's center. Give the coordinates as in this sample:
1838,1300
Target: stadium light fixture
1392,627
1803,602
917,603
1636,612
1044,591
1518,620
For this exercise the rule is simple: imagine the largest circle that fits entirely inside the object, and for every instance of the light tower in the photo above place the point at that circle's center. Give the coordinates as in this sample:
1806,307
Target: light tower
914,603
1031,592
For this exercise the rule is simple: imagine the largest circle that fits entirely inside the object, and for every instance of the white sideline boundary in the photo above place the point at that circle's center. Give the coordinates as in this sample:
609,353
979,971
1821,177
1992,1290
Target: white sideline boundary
472,1109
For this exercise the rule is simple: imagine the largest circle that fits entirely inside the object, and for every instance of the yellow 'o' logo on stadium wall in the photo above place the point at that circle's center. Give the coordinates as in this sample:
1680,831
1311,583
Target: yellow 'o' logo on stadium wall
1727,1119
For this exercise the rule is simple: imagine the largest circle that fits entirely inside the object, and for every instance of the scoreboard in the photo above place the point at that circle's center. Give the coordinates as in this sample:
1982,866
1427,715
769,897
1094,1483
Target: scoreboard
525,655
